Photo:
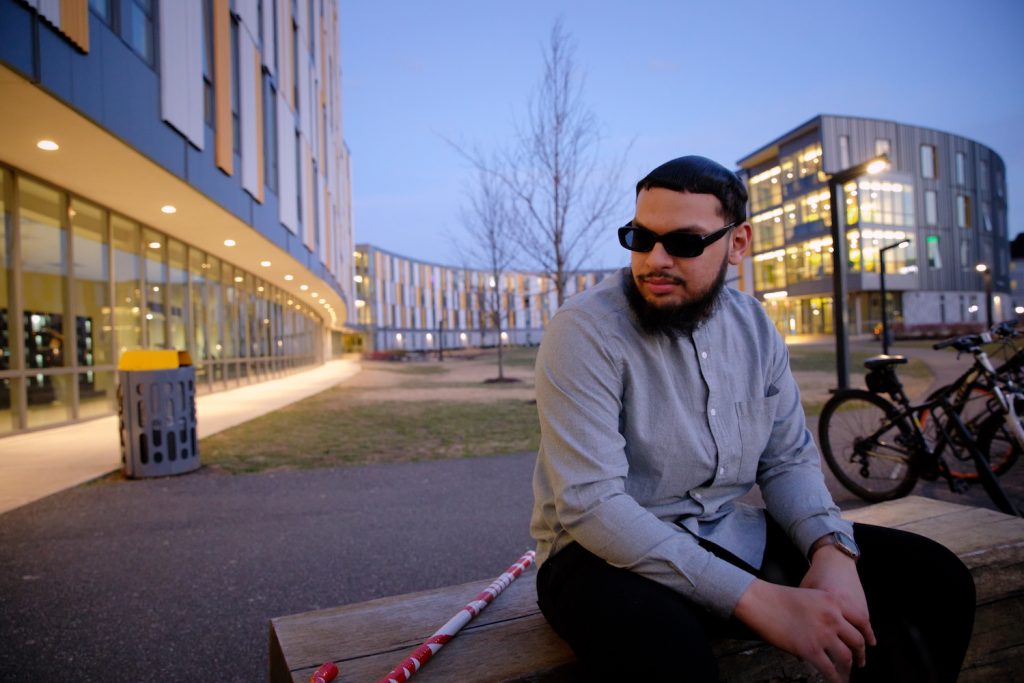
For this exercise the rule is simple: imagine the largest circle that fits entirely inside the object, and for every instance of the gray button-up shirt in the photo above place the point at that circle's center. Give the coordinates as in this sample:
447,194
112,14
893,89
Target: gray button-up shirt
647,442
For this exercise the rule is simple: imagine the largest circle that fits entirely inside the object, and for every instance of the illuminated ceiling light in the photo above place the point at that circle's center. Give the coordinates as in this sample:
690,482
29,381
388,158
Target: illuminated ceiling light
260,288
358,278
360,303
48,145
167,208
314,294
265,264
156,288
229,243
289,278
239,278
782,294
290,302
154,245
303,287
323,301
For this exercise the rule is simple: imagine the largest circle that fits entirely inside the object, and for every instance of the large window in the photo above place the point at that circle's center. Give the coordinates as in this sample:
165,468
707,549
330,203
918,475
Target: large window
768,230
765,190
235,89
90,294
883,146
804,164
811,260
961,168
770,270
928,169
208,68
886,203
44,264
140,34
155,248
127,284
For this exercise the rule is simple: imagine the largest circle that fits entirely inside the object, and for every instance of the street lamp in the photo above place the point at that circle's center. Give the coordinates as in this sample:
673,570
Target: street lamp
986,278
885,321
839,249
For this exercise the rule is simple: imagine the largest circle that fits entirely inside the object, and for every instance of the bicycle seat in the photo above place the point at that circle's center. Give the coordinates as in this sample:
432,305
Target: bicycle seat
876,362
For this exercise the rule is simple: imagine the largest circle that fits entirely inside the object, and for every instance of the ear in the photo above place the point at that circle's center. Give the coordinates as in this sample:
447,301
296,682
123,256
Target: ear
739,242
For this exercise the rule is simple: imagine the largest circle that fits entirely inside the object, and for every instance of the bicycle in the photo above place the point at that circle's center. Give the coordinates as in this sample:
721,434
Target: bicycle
878,449
980,410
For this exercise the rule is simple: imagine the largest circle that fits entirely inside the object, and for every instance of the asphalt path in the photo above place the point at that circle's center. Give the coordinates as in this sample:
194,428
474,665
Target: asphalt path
176,579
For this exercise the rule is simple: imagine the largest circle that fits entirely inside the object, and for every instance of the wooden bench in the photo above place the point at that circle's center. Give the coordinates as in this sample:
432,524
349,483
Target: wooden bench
511,641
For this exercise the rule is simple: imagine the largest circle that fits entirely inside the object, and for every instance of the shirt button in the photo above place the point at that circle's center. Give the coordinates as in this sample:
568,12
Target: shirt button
703,354
713,413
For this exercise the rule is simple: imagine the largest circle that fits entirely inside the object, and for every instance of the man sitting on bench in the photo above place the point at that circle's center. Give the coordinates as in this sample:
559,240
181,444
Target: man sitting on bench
663,397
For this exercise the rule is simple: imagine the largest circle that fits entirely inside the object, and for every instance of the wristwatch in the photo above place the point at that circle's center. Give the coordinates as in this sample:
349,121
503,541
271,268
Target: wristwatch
844,542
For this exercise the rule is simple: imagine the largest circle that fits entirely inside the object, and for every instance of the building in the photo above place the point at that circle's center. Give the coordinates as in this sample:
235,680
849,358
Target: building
406,304
172,175
1017,273
944,193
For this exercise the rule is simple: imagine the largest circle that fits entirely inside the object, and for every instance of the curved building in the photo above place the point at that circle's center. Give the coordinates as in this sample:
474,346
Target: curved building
942,192
172,175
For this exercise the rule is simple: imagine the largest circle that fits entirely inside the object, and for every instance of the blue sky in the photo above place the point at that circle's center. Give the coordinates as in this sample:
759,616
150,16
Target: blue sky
668,78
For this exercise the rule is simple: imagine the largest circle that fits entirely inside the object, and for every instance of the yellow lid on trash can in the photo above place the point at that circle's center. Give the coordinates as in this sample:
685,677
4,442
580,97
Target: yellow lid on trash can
153,359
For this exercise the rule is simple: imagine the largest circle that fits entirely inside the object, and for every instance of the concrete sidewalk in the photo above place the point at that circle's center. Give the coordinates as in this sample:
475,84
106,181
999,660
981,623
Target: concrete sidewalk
37,464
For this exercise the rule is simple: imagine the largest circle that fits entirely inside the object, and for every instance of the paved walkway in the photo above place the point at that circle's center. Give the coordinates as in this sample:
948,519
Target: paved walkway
37,464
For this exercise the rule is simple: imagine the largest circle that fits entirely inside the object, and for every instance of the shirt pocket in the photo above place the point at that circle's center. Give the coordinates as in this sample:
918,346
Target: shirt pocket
756,417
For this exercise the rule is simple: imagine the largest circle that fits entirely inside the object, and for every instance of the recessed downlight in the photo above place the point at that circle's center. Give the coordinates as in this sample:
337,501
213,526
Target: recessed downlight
289,278
168,208
229,243
154,245
48,145
265,264
303,287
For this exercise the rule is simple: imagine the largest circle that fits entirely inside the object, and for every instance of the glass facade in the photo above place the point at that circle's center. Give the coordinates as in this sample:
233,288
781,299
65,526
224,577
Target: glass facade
80,284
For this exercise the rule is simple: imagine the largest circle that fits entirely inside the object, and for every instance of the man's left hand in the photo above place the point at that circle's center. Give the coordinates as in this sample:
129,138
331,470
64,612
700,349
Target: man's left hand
836,573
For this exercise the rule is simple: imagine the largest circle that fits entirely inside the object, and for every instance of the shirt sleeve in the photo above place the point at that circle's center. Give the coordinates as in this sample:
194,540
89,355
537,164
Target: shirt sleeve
582,467
789,472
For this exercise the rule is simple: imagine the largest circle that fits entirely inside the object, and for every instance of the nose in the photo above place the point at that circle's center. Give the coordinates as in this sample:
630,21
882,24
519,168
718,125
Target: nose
658,258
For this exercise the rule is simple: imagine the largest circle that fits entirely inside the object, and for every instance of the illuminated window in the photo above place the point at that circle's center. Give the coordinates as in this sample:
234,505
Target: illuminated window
963,211
765,190
934,255
961,168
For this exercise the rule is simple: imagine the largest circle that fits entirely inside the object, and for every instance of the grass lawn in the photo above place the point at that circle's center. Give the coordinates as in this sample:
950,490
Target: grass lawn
386,421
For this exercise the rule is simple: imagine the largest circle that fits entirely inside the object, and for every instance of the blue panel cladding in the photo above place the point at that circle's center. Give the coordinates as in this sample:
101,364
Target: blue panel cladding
16,37
87,72
203,174
131,108
265,220
55,58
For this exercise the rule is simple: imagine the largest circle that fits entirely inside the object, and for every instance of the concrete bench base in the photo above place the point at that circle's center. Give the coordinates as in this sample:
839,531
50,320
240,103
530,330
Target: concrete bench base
511,641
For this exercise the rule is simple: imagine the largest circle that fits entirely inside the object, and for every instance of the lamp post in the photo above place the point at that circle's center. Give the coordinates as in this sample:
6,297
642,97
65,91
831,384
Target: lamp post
839,249
986,278
881,263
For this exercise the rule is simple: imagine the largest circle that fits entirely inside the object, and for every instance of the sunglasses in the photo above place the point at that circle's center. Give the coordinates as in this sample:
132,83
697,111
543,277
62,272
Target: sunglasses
677,243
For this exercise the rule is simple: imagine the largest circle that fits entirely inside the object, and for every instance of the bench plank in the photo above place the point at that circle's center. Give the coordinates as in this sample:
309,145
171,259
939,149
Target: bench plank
510,641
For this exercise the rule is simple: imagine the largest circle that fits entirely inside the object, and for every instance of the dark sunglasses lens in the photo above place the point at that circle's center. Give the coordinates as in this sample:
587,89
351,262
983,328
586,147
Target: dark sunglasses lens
635,239
683,245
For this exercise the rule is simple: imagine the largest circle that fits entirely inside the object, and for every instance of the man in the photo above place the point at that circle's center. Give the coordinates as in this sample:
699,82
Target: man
663,398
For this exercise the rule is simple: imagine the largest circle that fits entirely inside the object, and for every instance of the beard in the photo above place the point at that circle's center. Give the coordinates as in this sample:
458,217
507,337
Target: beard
674,320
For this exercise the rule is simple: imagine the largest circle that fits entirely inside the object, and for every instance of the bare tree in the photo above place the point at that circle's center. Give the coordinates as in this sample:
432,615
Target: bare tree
486,219
561,189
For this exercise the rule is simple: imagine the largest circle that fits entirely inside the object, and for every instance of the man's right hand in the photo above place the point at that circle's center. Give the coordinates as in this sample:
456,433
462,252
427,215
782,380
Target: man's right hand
806,622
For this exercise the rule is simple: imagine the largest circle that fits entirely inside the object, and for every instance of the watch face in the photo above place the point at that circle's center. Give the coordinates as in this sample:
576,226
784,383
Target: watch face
846,542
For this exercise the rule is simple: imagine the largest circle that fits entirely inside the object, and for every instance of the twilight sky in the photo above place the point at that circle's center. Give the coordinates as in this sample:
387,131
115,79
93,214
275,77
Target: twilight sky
716,78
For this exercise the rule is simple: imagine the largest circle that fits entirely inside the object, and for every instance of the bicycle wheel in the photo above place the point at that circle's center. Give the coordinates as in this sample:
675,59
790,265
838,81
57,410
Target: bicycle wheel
997,444
870,452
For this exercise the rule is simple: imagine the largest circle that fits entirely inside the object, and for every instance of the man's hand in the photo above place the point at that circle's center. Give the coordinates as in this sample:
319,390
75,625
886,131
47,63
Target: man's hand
821,621
834,572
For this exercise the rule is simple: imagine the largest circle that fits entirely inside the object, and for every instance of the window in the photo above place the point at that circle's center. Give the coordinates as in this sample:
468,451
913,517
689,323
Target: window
269,133
295,64
961,168
298,175
140,29
208,70
986,216
983,177
844,151
928,161
963,211
236,128
931,208
934,256
104,10
765,188
883,146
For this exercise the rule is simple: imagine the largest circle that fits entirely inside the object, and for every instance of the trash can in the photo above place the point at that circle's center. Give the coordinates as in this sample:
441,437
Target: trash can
157,399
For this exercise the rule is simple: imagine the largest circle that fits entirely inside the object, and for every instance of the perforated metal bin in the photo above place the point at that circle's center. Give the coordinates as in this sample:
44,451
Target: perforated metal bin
157,398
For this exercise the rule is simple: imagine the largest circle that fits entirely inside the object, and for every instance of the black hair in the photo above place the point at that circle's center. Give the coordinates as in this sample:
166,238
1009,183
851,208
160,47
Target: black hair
701,175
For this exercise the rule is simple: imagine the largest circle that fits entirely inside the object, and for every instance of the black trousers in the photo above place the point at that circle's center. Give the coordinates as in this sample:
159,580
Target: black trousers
623,626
